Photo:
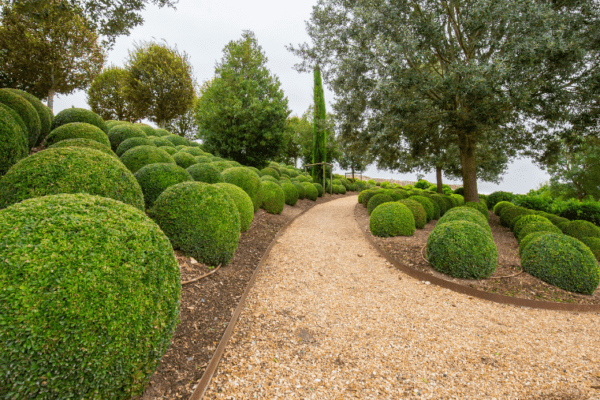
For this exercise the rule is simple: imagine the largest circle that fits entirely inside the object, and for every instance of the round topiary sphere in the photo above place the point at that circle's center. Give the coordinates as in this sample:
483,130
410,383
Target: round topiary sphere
272,197
246,179
43,111
147,129
70,170
462,249
120,133
177,140
270,172
531,237
341,188
593,244
199,219
184,160
501,206
562,261
270,179
131,143
205,173
170,150
508,215
161,142
537,226
113,123
160,132
377,200
366,195
136,158
203,160
479,206
26,111
291,193
301,190
223,165
195,151
156,178
441,198
466,214
77,130
459,199
319,188
497,197
442,206
242,202
98,286
427,205
580,229
14,144
310,191
419,213
527,219
85,143
392,219
69,115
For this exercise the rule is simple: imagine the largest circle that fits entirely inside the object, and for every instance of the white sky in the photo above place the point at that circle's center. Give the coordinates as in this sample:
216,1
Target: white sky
203,28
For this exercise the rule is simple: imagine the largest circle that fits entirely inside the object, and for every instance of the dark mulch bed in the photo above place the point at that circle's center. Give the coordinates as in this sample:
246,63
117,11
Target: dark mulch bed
410,251
207,305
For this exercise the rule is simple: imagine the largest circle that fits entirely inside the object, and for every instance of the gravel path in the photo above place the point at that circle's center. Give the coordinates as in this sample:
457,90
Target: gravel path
330,319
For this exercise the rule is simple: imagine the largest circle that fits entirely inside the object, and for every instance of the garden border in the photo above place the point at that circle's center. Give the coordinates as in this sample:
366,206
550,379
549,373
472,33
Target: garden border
211,368
455,287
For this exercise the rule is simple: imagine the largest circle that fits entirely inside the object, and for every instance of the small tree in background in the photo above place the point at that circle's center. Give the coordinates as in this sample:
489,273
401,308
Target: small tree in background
107,98
185,125
319,154
160,84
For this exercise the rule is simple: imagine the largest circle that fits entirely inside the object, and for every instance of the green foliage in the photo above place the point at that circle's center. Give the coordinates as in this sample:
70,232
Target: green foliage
466,214
319,154
270,172
422,184
291,194
530,238
419,213
587,211
199,219
272,197
131,143
43,111
508,215
459,199
392,219
319,188
341,188
161,142
70,115
246,179
366,195
523,221
581,229
86,143
460,190
203,160
501,205
136,158
70,170
537,226
206,173
593,244
462,249
115,312
562,261
497,197
77,130
443,203
195,151
106,96
177,140
148,130
377,200
301,190
14,144
539,203
26,111
427,206
242,201
112,123
245,93
397,194
184,159
479,206
310,191
156,178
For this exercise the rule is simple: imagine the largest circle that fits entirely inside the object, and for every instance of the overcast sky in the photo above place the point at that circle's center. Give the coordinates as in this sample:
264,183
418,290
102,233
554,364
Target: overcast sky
203,28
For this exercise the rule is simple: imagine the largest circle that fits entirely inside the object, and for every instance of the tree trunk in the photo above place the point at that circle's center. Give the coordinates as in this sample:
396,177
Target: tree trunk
469,171
51,100
161,124
353,173
438,179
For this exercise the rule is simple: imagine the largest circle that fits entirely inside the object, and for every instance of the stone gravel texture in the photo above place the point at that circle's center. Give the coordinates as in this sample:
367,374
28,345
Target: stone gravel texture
328,318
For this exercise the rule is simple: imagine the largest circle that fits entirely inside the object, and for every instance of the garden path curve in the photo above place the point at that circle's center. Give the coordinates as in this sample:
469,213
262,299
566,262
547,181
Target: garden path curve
328,318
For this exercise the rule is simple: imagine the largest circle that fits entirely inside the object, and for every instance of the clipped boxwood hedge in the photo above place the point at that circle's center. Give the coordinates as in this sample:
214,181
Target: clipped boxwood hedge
170,150
156,178
184,160
205,173
440,202
537,226
366,195
392,219
27,113
242,202
272,197
377,200
531,237
139,156
509,214
14,144
203,159
70,170
195,151
160,132
270,179
479,206
593,244
301,190
131,143
580,229
43,111
120,133
310,191
161,142
90,298
466,214
77,130
177,140
497,197
526,219
85,143
112,123
562,261
223,165
291,193
419,213
501,205
246,179
147,129
199,219
319,188
270,171
69,115
462,249
427,205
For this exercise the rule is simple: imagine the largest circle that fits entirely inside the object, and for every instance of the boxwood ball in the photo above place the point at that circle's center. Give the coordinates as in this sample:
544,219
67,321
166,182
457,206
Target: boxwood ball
69,115
246,179
77,130
392,219
242,202
139,156
156,178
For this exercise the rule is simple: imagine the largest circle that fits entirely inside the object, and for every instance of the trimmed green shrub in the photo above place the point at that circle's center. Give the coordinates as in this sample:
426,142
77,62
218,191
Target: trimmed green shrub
443,205
223,165
113,123
367,194
319,188
481,207
131,143
77,130
270,171
466,214
302,179
586,210
301,190
392,219
147,129
341,189
14,144
462,249
195,151
310,191
136,158
537,226
170,150
205,173
291,193
272,197
69,115
177,140
161,142
460,190
509,214
43,112
156,178
27,113
497,197
563,225
70,170
501,205
562,261
427,205
203,160
520,224
98,287
85,143
419,213
246,179
242,201
377,200
460,200
396,194
200,220
269,178
160,132
593,244
529,238
184,160
555,219
581,229
120,133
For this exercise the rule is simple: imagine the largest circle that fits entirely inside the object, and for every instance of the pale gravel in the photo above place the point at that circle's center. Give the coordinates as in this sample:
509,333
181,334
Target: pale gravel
331,319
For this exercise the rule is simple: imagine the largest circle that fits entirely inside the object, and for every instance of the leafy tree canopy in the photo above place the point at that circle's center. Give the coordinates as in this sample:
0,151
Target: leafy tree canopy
185,125
107,97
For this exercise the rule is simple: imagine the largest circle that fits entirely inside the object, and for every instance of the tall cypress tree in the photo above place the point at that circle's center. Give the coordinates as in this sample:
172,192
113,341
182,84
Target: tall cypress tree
319,132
